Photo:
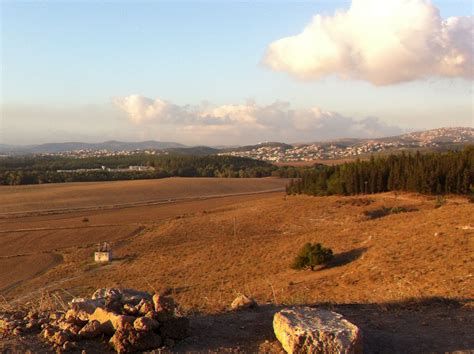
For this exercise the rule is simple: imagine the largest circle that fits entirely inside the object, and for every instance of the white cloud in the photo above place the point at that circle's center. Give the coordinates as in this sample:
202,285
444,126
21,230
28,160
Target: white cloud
141,109
383,42
250,121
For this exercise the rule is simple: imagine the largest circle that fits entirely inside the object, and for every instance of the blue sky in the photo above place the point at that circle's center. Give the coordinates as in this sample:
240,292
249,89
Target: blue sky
64,64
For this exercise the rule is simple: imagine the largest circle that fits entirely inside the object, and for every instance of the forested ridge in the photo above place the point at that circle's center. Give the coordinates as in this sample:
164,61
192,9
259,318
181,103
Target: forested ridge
44,169
430,173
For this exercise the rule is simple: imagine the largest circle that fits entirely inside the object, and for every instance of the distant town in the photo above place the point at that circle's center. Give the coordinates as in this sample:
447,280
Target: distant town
280,152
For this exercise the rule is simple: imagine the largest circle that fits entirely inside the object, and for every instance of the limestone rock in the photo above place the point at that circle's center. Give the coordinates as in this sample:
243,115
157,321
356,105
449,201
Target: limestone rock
130,310
131,296
128,339
146,324
82,308
242,302
164,307
91,330
111,294
68,346
47,333
145,306
313,330
59,338
110,321
79,318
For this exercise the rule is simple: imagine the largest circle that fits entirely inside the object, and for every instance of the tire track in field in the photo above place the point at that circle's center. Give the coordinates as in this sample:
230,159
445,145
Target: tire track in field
19,214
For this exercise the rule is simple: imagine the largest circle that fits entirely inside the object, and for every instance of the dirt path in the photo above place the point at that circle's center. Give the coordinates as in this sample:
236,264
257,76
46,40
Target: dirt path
431,326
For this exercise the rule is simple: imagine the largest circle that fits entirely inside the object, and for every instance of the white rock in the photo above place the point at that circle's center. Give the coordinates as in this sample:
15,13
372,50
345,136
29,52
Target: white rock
313,330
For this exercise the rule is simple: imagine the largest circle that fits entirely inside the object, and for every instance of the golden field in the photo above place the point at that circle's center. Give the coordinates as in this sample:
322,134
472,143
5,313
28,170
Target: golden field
206,251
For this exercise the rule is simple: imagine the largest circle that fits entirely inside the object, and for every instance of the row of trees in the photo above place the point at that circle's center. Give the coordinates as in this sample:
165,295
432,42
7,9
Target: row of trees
431,173
37,170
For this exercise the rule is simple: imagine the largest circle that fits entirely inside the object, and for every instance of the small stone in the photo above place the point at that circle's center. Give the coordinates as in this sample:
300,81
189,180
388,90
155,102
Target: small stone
130,310
47,333
145,306
33,315
77,317
59,338
146,324
112,294
56,315
242,302
153,314
91,330
69,346
163,304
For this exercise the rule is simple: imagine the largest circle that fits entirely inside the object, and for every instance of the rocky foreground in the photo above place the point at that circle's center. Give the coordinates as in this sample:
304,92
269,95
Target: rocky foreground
128,320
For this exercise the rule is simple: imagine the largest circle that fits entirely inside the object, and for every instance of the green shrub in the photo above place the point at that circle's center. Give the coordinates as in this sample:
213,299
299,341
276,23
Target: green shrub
312,255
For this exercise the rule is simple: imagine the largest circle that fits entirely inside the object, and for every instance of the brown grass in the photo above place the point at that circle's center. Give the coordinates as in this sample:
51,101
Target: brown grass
93,194
189,249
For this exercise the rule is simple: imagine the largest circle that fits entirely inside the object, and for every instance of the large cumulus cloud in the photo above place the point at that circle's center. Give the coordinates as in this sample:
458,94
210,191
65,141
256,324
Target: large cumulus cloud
383,42
277,120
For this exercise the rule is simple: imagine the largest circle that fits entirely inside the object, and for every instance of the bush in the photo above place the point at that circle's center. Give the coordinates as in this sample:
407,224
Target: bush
312,255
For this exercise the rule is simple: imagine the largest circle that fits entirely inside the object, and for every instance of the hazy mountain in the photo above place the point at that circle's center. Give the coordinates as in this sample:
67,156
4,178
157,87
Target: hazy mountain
73,146
445,136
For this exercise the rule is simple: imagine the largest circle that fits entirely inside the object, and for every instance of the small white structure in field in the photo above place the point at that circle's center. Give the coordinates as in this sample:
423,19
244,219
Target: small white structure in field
103,253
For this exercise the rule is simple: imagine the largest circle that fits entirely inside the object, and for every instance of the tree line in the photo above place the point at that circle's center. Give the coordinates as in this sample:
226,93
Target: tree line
430,173
44,169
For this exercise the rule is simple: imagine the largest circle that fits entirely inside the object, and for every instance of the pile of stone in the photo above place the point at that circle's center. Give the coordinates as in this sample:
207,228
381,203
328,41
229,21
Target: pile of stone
129,320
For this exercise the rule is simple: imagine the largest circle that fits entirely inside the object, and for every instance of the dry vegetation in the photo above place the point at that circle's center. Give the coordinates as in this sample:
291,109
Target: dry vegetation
34,198
206,252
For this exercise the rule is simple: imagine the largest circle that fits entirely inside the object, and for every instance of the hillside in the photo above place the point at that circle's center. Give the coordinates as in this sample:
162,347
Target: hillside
389,270
432,140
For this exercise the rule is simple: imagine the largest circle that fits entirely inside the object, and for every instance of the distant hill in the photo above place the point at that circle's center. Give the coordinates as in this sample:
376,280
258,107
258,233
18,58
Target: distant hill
74,146
347,148
444,138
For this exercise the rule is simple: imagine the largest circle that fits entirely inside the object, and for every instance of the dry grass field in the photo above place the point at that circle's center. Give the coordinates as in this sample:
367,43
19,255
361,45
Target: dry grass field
62,196
407,279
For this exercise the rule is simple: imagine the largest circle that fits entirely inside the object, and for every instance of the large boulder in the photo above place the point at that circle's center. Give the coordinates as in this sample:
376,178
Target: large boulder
315,330
110,321
82,308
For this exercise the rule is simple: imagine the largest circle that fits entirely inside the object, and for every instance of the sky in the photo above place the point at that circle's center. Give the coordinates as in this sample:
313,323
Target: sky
228,72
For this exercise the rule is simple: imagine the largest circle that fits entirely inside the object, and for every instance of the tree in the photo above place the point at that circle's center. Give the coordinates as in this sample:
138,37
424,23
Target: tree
312,255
